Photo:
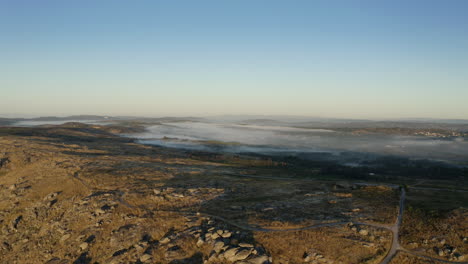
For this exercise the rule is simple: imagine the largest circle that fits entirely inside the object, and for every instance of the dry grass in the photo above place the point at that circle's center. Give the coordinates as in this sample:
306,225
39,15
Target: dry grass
338,244
433,220
404,258
377,203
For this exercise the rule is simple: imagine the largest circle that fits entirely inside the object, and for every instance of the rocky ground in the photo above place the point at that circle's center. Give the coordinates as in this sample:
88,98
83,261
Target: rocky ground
441,233
79,194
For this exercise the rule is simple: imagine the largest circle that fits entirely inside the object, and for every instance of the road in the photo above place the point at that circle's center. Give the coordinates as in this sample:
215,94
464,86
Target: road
395,229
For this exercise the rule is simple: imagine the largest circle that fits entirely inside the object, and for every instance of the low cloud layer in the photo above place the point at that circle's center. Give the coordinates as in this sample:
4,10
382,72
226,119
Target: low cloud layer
280,139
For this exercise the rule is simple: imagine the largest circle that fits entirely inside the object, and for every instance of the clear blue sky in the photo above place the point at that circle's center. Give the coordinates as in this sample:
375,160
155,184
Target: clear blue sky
355,59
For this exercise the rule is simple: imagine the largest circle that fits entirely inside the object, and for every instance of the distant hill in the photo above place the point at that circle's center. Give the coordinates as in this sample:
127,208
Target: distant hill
74,117
459,125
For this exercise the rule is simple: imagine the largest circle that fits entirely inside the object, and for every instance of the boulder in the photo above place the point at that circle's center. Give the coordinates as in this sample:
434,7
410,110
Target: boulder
241,254
230,253
226,234
218,245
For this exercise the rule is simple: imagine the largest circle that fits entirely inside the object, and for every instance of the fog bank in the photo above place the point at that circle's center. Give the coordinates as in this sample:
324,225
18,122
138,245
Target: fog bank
239,138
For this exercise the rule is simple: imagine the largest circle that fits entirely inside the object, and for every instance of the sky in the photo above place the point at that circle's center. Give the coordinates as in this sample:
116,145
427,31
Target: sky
345,59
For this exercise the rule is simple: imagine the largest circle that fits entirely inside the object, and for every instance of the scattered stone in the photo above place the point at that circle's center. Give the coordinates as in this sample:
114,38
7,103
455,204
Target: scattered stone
65,237
164,240
83,246
57,261
363,232
200,242
99,212
145,257
246,245
51,196
259,260
226,234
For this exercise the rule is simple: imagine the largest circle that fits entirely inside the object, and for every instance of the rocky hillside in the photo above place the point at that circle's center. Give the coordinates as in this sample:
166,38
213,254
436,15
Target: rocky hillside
70,195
